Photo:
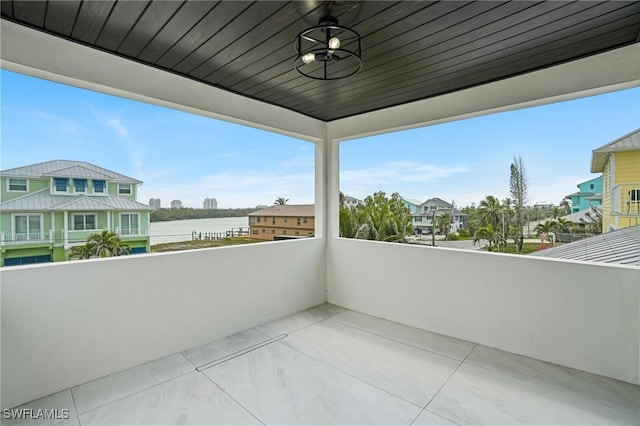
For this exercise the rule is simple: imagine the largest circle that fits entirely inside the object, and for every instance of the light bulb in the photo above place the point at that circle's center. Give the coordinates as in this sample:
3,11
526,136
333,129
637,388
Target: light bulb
307,58
334,43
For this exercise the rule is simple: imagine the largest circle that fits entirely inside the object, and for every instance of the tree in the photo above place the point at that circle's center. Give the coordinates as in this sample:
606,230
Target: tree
107,244
592,221
376,218
489,234
444,224
518,187
281,201
83,252
545,230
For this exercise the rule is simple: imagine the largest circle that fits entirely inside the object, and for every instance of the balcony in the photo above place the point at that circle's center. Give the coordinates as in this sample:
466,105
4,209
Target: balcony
329,365
565,335
27,238
625,199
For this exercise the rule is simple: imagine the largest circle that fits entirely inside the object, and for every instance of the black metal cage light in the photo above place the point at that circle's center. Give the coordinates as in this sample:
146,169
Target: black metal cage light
328,51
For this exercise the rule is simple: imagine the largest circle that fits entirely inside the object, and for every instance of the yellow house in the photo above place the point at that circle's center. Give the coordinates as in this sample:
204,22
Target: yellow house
282,221
619,163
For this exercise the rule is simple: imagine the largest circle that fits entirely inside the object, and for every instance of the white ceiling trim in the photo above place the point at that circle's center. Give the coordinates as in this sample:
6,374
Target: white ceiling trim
41,55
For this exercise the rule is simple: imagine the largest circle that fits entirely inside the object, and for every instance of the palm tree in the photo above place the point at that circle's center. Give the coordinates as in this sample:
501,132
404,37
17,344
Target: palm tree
83,252
488,233
444,224
281,201
545,230
490,211
107,244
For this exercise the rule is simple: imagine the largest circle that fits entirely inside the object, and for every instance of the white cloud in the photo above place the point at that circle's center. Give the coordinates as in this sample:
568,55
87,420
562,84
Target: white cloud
117,126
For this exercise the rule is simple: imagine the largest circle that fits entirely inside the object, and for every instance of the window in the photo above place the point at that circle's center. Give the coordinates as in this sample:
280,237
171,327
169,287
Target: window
263,230
285,220
258,219
80,185
99,186
284,232
591,186
18,185
83,222
299,220
304,220
27,227
255,232
417,219
273,231
124,188
129,223
60,184
297,233
273,220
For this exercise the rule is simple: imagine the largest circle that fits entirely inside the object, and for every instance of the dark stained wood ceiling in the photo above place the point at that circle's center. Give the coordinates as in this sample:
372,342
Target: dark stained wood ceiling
411,50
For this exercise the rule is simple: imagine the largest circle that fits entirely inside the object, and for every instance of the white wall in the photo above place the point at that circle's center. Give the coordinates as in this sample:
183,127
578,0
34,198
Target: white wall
585,316
66,323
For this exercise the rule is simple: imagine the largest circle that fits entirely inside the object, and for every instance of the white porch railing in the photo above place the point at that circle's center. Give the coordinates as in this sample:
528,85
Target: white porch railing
625,199
27,237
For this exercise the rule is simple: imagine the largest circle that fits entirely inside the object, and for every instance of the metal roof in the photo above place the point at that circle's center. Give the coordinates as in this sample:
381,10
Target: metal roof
289,210
628,142
43,200
621,246
67,168
412,50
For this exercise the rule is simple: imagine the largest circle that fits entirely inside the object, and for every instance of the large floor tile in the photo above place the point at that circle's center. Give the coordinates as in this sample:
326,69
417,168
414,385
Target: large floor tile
326,310
433,342
220,348
289,324
187,400
408,372
110,388
281,386
427,418
478,396
59,405
616,394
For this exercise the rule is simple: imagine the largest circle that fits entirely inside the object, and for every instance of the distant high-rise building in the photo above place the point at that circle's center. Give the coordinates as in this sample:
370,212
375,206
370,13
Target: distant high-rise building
154,202
210,203
176,204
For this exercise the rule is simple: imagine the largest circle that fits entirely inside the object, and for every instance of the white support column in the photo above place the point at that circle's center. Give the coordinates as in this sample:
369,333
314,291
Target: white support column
65,230
53,226
108,221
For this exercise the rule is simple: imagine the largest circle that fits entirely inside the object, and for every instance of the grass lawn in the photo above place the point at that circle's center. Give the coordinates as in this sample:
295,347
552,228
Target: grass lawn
526,248
199,244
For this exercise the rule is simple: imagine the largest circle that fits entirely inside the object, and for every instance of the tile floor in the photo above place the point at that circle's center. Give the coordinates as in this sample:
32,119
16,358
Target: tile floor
328,365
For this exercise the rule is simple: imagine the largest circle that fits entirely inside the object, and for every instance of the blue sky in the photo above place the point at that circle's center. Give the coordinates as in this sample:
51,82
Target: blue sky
188,157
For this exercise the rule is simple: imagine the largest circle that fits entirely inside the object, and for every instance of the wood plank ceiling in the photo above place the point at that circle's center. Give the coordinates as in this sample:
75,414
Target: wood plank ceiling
411,50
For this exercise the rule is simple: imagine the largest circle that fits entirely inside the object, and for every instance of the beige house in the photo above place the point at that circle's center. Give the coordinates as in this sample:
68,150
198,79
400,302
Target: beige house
282,221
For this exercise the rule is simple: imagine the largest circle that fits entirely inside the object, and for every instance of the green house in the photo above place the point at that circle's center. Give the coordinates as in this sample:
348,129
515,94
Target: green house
48,208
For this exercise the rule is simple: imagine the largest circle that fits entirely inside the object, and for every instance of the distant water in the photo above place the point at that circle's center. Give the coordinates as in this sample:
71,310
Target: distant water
180,230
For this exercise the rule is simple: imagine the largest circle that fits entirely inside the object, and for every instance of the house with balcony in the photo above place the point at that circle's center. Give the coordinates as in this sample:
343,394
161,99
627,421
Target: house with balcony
589,195
282,221
435,208
244,334
619,163
47,208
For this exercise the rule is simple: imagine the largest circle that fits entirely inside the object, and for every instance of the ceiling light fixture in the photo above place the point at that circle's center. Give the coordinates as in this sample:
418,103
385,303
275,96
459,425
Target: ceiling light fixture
328,51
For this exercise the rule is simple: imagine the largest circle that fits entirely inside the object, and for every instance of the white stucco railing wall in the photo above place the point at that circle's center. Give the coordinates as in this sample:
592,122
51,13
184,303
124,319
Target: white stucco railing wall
584,316
67,323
